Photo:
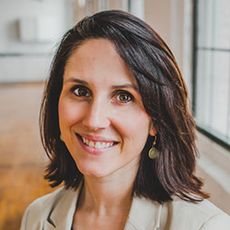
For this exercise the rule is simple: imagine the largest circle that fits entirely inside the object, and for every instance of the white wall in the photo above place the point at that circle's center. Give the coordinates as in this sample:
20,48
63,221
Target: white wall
167,18
172,20
157,14
29,60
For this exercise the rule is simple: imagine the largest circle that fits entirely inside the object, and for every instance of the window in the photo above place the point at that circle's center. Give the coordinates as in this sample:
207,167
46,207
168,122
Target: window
211,92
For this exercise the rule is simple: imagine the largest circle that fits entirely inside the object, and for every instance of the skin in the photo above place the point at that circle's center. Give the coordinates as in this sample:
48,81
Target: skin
105,127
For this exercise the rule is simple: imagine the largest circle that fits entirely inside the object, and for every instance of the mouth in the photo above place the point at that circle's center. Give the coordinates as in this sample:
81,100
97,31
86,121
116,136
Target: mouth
96,143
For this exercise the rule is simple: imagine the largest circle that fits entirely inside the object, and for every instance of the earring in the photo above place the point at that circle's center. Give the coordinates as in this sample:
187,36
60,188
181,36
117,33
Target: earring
153,153
61,138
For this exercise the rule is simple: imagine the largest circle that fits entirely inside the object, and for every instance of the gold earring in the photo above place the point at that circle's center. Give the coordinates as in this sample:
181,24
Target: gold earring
153,153
61,138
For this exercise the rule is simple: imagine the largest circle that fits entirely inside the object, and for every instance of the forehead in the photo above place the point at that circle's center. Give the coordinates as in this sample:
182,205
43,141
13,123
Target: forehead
97,58
94,49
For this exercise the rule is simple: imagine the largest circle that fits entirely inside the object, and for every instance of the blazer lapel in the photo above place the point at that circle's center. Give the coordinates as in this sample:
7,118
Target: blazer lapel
49,226
143,214
61,216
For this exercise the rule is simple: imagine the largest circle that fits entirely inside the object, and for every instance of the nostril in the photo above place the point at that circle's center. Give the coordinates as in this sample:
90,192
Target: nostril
96,122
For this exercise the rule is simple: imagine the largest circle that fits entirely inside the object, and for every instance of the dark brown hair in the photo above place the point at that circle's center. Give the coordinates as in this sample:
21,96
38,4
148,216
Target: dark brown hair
164,97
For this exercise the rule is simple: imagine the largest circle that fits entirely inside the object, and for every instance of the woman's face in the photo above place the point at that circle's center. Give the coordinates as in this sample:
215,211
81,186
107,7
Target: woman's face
102,119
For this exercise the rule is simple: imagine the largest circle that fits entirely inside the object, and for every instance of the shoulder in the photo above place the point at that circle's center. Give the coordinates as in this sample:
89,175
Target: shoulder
176,215
220,221
46,202
202,216
40,208
47,211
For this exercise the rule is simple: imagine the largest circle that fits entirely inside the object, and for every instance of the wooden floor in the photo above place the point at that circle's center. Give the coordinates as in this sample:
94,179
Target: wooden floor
22,159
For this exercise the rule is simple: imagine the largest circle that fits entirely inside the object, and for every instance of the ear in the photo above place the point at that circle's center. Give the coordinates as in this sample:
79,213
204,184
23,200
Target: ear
152,130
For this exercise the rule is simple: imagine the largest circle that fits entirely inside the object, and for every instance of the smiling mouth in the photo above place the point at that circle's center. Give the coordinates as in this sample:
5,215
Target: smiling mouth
96,144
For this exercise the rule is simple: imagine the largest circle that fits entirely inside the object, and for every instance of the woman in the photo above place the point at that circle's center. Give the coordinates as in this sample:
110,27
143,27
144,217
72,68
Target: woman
116,126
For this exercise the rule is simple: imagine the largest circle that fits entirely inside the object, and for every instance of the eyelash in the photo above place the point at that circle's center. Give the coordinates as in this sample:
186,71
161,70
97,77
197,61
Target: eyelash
124,93
81,87
87,93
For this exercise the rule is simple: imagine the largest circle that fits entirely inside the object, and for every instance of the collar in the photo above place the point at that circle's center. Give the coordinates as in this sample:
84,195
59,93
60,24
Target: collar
62,213
144,213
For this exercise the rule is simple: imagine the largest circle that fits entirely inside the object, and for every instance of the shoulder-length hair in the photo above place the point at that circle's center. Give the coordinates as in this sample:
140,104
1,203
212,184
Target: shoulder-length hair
164,97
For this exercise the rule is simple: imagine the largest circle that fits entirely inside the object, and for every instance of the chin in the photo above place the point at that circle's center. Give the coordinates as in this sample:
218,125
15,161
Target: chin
93,171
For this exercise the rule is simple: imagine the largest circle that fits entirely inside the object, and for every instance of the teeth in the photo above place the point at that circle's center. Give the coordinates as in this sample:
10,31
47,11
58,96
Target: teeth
97,144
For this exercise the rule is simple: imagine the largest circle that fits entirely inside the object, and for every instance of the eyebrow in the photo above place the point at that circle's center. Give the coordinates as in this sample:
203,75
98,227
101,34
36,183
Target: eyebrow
76,80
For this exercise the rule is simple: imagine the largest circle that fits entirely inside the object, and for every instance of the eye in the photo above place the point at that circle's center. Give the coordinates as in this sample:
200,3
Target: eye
81,91
124,96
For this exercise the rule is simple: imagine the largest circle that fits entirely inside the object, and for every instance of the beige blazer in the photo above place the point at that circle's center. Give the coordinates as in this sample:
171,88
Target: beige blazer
56,210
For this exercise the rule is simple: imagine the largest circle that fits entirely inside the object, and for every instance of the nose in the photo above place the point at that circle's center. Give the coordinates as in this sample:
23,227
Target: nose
96,115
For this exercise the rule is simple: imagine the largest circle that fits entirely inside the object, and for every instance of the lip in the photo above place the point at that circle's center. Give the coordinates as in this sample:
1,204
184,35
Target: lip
93,150
96,138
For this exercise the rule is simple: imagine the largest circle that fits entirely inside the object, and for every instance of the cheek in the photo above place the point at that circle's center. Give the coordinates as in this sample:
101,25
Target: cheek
134,125
68,113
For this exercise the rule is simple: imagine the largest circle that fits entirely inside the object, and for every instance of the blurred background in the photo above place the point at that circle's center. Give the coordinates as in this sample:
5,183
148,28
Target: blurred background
197,31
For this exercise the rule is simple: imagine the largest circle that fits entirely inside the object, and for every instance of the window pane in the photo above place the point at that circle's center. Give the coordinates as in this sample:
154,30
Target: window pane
213,67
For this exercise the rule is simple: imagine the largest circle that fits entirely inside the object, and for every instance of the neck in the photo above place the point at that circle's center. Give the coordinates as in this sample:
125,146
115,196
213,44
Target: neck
110,194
